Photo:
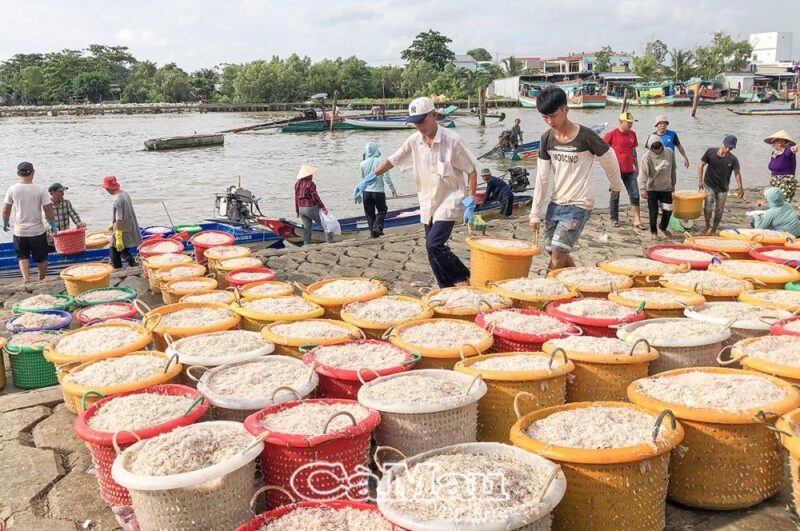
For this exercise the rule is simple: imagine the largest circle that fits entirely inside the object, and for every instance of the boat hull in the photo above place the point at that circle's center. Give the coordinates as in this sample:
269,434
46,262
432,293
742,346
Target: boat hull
527,151
666,101
354,124
587,102
529,102
184,142
767,112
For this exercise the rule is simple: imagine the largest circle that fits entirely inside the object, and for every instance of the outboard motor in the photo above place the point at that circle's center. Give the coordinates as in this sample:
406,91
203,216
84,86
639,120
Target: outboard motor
238,206
518,179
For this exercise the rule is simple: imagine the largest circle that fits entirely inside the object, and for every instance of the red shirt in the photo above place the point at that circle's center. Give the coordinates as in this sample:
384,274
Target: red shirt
623,145
305,195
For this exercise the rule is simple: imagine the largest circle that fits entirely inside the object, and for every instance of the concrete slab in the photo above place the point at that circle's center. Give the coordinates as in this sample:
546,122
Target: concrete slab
26,473
20,420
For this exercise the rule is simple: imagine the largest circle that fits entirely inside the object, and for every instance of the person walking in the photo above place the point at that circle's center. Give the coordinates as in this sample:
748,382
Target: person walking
718,163
498,190
783,163
568,150
374,196
28,199
307,204
670,138
624,143
657,178
440,161
124,224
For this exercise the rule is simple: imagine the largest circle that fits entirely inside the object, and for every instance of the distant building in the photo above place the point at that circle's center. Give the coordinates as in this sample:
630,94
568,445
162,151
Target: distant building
466,62
771,49
743,81
585,62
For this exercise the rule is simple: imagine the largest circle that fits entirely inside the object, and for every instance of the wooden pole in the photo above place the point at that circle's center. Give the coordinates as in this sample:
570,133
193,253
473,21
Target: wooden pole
625,99
333,109
482,104
696,99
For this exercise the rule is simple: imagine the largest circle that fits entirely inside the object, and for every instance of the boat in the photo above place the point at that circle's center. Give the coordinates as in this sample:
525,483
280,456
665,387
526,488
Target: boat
292,231
786,111
526,151
257,235
583,94
654,94
342,123
530,92
184,142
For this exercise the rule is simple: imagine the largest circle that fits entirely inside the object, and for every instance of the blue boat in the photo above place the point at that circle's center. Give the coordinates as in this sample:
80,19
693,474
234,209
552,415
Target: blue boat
257,235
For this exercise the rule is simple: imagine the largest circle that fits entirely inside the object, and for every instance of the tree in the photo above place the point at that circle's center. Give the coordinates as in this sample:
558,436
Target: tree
602,59
453,82
387,81
228,86
722,55
430,46
645,66
480,54
94,85
416,77
657,49
202,82
31,85
682,65
171,84
140,86
512,66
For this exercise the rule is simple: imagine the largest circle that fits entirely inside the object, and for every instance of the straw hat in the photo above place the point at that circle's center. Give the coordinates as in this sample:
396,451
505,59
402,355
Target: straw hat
780,135
305,171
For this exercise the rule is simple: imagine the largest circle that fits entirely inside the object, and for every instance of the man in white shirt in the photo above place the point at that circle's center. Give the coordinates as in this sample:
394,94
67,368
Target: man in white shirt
30,238
440,160
568,149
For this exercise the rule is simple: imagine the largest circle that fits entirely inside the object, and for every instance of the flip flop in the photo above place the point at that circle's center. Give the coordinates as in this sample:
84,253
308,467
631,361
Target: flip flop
640,227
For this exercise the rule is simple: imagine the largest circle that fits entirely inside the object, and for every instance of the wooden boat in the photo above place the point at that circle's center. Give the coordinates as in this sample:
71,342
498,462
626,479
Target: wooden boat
583,94
655,94
373,124
526,151
529,93
351,227
184,142
787,111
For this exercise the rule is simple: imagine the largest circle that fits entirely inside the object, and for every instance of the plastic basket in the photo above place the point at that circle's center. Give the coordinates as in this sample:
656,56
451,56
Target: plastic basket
512,341
787,373
787,426
157,230
615,488
643,277
248,290
258,523
532,302
255,320
654,253
64,305
333,306
654,310
102,444
593,326
592,290
70,241
171,293
776,281
760,254
223,267
437,358
178,333
375,329
734,249
216,254
232,281
172,245
149,268
710,294
126,311
230,297
779,328
468,313
687,204
295,346
200,248
130,295
772,237
508,391
492,263
740,329
299,463
732,460
29,368
76,285
211,361
752,297
99,239
164,274
65,317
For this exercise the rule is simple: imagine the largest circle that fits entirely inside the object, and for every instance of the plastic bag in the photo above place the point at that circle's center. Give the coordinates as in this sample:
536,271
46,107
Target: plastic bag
329,223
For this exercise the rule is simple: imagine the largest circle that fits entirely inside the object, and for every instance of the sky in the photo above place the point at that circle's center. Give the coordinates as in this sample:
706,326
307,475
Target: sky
204,33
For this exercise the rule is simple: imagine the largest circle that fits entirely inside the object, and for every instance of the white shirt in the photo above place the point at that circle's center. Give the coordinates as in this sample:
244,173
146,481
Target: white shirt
27,201
439,173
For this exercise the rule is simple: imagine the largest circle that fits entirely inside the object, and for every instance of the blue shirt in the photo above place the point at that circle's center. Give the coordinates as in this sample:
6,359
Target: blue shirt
669,139
497,190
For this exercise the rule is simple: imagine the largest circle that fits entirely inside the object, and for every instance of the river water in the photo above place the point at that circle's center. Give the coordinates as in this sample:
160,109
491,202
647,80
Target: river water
79,151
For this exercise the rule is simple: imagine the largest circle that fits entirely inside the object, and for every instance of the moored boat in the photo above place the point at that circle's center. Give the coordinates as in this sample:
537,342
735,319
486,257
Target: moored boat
654,94
184,142
343,123
529,92
787,111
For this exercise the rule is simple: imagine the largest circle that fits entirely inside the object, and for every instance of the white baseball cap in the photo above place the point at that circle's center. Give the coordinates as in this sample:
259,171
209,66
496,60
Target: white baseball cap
660,118
419,109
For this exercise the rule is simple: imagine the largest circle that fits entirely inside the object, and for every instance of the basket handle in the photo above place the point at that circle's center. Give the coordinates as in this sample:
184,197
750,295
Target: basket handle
482,303
636,343
687,236
649,279
761,417
613,286
579,330
302,287
339,414
766,319
462,353
172,359
115,444
192,376
305,347
553,357
517,411
792,261
755,281
259,439
361,378
378,462
285,388
475,378
64,366
266,488
153,318
87,394
725,255
641,306
415,357
387,333
698,288
141,307
168,339
550,478
194,404
715,260
361,336
437,303
237,294
731,361
683,267
660,420
424,290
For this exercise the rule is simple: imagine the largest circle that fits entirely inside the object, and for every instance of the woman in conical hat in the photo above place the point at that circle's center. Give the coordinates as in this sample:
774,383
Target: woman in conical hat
307,204
783,163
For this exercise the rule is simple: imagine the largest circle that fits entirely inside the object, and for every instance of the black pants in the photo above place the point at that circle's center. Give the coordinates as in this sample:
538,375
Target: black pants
653,199
118,256
446,266
375,209
507,206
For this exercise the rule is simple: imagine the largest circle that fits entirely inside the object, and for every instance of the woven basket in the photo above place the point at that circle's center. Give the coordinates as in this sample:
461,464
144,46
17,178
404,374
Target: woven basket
376,330
230,297
200,248
616,488
14,328
593,326
776,281
414,428
213,255
179,333
164,275
687,204
221,356
710,294
260,521
171,295
296,347
779,328
300,464
531,302
64,305
642,277
130,294
437,358
333,306
255,320
787,373
216,497
489,263
507,391
98,239
752,297
742,329
149,269
750,235
147,250
224,267
512,341
105,446
732,460
145,338
467,314
760,254
654,310
599,377
787,426
654,253
70,241
591,290
231,280
126,311
29,368
247,291
719,245
76,285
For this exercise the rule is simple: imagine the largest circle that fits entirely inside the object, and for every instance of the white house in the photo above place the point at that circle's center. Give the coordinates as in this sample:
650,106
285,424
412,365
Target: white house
771,48
467,62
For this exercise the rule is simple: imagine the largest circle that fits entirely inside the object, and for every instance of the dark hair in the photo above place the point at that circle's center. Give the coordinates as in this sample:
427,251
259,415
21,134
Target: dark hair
551,99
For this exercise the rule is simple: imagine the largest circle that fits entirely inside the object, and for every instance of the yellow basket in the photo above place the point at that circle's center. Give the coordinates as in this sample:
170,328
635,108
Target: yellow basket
77,285
491,263
437,358
787,426
79,397
176,333
642,277
98,244
732,460
751,297
170,295
655,310
604,376
499,407
776,281
247,291
297,346
615,488
224,252
223,267
749,235
592,290
230,296
687,204
711,295
143,342
254,320
786,373
376,330
149,267
332,306
720,245
467,314
531,302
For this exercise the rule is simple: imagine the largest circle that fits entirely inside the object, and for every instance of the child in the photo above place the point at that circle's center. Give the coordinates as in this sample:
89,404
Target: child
657,178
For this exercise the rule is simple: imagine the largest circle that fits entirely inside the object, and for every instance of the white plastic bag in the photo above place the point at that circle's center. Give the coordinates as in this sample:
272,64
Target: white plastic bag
329,223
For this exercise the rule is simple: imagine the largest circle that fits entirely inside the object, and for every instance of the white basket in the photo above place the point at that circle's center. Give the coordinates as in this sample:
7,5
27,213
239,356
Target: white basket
214,361
743,329
538,520
628,334
475,393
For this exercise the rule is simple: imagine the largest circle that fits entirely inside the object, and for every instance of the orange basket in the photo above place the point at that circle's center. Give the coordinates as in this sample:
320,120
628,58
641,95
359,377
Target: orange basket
787,427
438,358
375,329
655,310
146,337
735,249
255,320
333,306
78,284
488,263
465,313
70,241
643,277
296,347
787,373
176,333
527,301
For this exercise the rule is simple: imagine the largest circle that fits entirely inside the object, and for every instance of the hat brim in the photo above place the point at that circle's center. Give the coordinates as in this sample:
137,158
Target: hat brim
111,186
772,139
417,118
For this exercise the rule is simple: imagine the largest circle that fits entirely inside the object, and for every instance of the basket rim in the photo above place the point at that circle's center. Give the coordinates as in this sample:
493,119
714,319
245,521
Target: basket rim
623,358
308,293
761,365
524,337
66,319
787,423
189,360
162,377
82,303
243,289
425,313
309,358
476,392
270,275
211,256
209,292
125,315
731,234
789,402
553,310
218,264
746,286
68,301
269,335
559,369
690,196
162,272
443,310
653,251
474,242
624,283
211,327
693,299
628,332
64,274
607,265
155,240
13,349
439,353
778,328
146,262
759,253
526,297
210,281
789,274
743,324
750,298
316,311
210,231
283,510
607,456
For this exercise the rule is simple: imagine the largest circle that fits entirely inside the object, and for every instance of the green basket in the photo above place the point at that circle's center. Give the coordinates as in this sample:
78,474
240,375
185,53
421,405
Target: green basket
131,294
67,302
29,368
793,286
190,229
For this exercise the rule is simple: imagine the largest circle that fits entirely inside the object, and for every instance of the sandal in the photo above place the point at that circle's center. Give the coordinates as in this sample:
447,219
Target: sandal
640,227
616,224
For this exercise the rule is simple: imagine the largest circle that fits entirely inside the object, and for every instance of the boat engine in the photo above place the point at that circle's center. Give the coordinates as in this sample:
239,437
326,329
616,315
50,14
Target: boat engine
518,179
237,206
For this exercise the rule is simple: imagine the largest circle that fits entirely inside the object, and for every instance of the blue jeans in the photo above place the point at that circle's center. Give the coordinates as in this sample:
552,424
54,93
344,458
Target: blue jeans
563,225
446,266
629,180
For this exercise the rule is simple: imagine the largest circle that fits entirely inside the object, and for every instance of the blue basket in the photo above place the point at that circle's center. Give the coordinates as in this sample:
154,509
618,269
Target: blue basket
64,323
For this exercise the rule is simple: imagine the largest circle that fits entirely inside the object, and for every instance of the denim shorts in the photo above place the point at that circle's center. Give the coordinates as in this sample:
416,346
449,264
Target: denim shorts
563,226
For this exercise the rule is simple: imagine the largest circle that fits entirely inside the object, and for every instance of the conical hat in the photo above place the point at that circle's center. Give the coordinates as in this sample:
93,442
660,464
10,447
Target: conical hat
305,171
780,135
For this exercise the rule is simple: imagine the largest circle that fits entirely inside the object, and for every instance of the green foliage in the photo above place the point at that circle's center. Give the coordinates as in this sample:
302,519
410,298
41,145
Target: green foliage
603,59
202,82
139,88
722,55
417,76
430,46
453,82
31,85
645,66
480,54
387,81
94,85
681,65
512,66
657,49
171,84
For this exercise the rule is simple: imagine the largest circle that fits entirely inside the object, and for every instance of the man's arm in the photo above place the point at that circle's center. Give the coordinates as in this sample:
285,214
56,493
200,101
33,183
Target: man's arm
6,212
673,173
472,183
610,164
49,213
683,154
73,214
540,191
700,169
740,193
635,162
383,168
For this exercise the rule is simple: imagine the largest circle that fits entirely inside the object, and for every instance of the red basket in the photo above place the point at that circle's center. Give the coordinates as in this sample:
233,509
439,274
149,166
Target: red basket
652,253
344,384
263,519
101,444
153,240
269,275
590,325
128,313
200,249
778,329
510,341
758,254
325,463
70,241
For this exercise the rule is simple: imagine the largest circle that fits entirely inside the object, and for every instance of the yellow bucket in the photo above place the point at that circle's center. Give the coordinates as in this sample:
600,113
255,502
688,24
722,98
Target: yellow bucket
489,262
687,204
78,284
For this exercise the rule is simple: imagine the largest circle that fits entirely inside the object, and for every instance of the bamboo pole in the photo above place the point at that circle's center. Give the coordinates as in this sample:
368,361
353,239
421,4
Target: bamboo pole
696,99
625,99
482,104
333,109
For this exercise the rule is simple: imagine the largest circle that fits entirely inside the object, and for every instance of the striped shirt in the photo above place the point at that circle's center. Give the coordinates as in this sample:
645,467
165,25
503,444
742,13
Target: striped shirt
63,212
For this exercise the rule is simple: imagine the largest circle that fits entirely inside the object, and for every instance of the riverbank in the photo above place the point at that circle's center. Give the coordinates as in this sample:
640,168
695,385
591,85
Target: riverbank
46,477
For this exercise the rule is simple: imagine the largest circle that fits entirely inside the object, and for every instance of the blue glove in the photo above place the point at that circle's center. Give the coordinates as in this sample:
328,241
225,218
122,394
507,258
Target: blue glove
53,227
358,199
469,213
5,225
363,183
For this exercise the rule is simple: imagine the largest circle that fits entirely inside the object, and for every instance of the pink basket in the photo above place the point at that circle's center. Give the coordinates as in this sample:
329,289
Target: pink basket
511,341
590,325
70,241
